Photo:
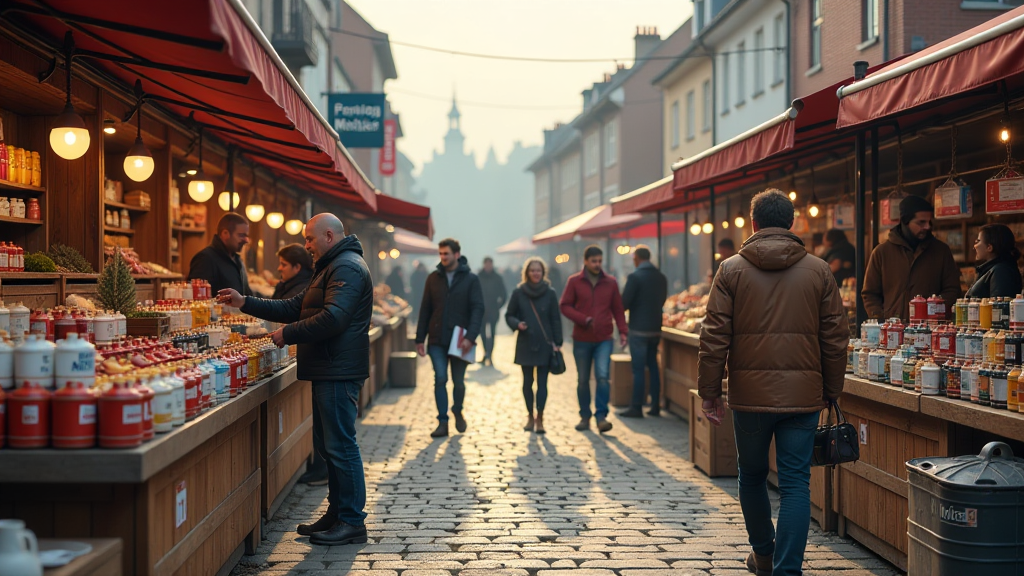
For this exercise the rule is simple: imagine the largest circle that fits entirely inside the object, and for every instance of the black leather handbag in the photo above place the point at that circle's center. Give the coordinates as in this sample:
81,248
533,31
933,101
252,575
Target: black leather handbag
835,443
557,363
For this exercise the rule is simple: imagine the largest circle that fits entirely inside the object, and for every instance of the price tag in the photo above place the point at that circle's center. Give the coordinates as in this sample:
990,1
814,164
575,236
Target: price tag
280,422
1004,195
180,504
864,433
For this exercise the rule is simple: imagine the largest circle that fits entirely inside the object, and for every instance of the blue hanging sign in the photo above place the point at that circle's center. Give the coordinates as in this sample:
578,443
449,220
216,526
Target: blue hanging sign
358,119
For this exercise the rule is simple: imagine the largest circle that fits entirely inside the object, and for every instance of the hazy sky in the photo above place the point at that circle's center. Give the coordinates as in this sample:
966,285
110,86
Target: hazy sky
525,28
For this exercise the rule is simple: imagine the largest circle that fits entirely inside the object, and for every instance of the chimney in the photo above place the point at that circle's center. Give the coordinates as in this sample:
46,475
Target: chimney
646,40
587,95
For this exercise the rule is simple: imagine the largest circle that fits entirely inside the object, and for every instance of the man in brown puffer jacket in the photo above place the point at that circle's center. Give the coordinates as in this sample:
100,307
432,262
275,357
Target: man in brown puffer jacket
776,316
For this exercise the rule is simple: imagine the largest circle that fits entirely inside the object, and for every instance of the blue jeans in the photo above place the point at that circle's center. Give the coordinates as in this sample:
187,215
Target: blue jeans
335,406
794,443
643,352
440,359
600,354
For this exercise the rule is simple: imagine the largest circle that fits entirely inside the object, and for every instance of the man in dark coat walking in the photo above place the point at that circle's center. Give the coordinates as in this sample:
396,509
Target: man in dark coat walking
219,263
644,297
330,323
495,296
452,301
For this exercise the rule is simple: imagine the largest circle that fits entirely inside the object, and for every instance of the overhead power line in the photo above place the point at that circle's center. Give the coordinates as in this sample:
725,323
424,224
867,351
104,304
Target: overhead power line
538,59
504,106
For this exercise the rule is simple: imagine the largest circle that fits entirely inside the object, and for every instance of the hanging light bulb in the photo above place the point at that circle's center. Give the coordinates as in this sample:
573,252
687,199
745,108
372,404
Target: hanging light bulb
395,253
792,195
200,188
1004,127
813,211
293,227
108,127
389,228
725,224
138,164
228,200
695,229
69,138
275,220
740,222
382,255
812,207
254,212
708,228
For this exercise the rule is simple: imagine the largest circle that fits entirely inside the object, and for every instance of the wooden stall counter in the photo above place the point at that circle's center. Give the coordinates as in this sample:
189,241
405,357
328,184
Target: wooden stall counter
678,369
186,502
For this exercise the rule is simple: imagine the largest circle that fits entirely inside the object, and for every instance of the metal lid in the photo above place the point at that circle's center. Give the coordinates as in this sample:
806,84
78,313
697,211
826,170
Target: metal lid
995,468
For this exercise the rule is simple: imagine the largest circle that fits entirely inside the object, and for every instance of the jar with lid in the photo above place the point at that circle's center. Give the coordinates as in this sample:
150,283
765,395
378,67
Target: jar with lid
999,390
966,380
960,316
974,313
985,314
980,393
953,380
909,370
33,210
930,378
5,206
918,310
896,366
871,332
1000,347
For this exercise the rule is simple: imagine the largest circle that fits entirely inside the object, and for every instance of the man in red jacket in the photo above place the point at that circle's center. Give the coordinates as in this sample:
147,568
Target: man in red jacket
592,302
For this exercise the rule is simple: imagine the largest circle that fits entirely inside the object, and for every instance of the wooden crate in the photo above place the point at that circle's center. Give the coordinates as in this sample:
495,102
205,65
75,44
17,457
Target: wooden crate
34,290
287,442
712,448
871,497
86,285
156,326
678,369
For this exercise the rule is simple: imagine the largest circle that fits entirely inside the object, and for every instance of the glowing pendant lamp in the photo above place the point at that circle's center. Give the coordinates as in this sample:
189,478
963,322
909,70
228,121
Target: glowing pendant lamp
138,164
293,227
228,201
255,212
200,188
275,220
69,138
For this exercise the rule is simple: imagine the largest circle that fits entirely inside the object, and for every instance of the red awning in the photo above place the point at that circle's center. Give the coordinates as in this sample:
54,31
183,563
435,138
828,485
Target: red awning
518,246
641,198
413,243
606,222
568,229
650,230
979,57
291,138
402,214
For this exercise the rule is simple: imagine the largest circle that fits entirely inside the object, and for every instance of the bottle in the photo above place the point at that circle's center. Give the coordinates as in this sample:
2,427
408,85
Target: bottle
1017,313
1000,348
37,170
34,213
985,314
973,313
909,369
966,380
5,206
953,380
125,219
1012,399
896,367
918,310
3,155
980,394
3,257
960,316
998,394
930,376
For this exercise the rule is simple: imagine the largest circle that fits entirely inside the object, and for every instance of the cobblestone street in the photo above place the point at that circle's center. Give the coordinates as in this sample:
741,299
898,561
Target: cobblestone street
500,501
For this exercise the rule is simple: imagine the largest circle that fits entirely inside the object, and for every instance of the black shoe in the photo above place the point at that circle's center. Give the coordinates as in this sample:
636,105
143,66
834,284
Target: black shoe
584,424
314,476
441,431
326,522
339,534
655,411
631,413
603,426
460,422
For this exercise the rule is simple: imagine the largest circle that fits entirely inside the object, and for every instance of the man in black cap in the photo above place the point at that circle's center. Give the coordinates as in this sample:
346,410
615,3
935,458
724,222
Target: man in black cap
912,262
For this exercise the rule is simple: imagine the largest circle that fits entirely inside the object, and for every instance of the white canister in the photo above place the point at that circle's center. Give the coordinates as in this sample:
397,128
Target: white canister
178,393
33,362
122,324
930,376
75,361
896,369
6,365
163,404
5,318
105,326
19,322
222,384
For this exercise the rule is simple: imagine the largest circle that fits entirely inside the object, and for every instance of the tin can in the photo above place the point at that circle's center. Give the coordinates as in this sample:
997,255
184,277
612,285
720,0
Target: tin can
999,387
1017,313
28,422
74,416
120,416
33,363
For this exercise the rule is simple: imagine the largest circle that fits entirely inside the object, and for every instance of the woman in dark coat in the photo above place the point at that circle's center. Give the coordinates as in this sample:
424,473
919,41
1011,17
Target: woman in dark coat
998,275
533,312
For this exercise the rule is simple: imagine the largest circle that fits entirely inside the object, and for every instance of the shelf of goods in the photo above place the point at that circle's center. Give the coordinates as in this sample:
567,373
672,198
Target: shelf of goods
20,221
7,187
128,207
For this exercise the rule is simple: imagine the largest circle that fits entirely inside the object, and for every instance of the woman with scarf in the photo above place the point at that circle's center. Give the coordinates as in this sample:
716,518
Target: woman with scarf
533,313
997,256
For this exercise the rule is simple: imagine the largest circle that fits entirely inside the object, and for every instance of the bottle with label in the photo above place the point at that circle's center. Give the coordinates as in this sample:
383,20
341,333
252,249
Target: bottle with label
998,393
966,381
125,219
953,380
1012,377
37,170
33,211
985,314
973,313
984,386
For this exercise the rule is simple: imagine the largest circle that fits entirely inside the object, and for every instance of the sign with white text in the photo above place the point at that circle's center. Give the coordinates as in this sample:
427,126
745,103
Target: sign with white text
358,119
387,153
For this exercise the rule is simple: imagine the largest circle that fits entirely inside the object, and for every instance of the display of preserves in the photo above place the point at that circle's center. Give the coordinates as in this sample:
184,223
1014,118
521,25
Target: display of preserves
685,311
386,305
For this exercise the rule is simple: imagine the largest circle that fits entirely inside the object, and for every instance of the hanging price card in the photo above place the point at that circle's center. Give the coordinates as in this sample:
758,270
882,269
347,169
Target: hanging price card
842,217
1004,195
180,504
889,210
953,200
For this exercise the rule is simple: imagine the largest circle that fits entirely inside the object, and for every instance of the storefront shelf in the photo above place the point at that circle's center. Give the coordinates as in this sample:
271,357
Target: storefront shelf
116,230
186,230
21,221
129,207
22,188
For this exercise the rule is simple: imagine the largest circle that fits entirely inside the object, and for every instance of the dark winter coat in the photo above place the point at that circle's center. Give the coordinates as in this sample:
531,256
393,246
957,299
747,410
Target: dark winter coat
495,294
644,297
286,289
445,307
218,266
600,304
330,319
396,282
532,348
999,278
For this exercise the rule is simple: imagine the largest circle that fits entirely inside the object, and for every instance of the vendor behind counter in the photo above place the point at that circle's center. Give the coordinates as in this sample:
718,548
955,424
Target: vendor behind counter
911,262
997,256
219,263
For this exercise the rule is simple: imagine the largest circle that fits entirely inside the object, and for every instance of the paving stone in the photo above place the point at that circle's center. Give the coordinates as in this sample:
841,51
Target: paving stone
498,501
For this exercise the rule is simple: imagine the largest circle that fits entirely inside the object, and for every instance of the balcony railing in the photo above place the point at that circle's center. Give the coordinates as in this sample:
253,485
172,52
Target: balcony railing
293,34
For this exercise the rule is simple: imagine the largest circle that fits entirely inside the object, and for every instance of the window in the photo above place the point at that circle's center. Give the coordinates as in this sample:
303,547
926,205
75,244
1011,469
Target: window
869,20
675,124
758,58
591,154
741,73
724,82
611,143
698,13
705,112
543,186
691,115
779,55
570,173
816,20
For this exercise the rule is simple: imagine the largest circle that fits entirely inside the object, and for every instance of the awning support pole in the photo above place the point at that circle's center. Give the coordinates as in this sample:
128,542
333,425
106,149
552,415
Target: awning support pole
875,221
859,214
661,253
711,218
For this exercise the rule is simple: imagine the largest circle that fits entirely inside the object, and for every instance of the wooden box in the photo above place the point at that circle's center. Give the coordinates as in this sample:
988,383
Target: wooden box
712,448
158,326
287,441
678,369
33,289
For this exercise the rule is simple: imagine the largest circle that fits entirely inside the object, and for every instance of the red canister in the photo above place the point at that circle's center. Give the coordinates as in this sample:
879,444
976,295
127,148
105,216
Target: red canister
936,310
74,417
83,324
918,310
28,424
65,324
894,334
120,416
236,374
147,409
41,324
193,394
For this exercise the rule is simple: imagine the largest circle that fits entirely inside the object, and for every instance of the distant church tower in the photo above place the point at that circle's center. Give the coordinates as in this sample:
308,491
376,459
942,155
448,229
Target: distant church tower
454,140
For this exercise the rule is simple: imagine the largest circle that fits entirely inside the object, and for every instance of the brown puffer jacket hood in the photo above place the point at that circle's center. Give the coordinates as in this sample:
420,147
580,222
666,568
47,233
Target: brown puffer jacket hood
776,316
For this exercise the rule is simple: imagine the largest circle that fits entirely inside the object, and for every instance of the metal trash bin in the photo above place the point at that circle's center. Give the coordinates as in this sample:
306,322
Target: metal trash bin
966,514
